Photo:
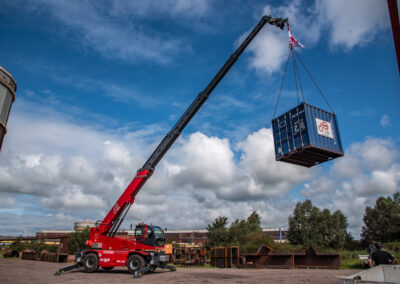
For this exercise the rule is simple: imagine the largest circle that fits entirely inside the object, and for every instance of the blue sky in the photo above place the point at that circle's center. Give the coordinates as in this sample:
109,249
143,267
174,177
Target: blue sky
101,82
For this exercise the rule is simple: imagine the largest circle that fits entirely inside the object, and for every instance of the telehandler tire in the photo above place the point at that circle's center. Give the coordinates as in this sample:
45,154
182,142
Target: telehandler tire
91,262
135,262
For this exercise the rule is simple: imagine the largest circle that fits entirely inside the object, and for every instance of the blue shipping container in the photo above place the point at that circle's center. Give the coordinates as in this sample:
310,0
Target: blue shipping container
306,136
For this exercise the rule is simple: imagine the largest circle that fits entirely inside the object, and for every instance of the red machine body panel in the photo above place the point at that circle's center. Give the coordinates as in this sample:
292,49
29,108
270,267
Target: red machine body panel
111,258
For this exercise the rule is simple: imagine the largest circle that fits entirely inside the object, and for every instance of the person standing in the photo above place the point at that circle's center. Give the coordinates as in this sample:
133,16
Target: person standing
380,256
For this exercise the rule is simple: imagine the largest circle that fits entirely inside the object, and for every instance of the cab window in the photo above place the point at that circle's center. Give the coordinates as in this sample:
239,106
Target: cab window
158,232
139,232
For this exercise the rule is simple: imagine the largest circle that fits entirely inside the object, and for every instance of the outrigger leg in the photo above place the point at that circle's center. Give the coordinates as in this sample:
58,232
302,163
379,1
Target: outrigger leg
68,268
78,263
139,273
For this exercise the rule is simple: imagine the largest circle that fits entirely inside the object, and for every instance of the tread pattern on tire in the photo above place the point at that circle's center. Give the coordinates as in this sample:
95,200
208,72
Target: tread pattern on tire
91,257
139,259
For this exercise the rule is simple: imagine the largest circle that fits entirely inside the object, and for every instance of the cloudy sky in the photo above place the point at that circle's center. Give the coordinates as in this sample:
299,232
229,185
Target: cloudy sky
101,82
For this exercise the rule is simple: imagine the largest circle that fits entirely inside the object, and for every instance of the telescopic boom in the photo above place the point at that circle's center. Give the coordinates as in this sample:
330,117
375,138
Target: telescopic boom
114,218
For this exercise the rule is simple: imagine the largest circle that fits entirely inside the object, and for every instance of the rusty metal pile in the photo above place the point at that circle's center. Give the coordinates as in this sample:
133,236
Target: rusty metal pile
266,257
11,253
48,256
225,256
29,254
188,256
44,255
311,258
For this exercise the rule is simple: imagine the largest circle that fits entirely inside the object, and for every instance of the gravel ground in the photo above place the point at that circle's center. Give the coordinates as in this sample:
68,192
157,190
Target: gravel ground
25,271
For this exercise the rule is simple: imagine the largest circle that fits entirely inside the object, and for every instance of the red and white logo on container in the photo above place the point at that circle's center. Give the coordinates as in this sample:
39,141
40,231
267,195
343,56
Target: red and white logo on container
324,128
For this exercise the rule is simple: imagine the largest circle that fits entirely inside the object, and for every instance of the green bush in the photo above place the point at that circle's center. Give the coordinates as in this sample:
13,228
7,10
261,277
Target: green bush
18,245
253,240
351,254
287,247
36,245
77,240
393,248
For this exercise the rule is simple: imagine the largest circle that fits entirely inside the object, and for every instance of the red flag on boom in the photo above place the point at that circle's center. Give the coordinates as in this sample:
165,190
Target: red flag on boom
292,41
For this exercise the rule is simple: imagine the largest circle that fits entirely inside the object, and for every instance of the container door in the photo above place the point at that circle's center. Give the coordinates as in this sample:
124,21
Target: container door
323,130
299,133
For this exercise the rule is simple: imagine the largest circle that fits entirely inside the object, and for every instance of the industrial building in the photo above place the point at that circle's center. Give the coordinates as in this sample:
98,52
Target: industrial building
178,236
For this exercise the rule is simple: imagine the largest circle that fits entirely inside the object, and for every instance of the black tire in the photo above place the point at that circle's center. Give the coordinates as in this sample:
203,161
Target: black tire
135,262
91,262
108,268
152,268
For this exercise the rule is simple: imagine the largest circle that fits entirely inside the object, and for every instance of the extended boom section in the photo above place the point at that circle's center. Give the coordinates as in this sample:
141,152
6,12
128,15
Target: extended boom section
170,138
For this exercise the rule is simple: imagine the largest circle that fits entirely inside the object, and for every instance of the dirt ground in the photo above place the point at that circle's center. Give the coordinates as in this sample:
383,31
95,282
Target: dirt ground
26,271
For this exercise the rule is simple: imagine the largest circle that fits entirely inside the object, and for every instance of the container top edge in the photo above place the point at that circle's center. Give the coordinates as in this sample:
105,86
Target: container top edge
306,104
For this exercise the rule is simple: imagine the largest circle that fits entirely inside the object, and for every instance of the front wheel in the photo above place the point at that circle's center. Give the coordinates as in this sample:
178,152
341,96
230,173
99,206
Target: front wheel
135,262
91,262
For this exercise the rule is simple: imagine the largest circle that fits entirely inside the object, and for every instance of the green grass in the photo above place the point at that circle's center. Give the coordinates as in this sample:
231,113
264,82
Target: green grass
352,264
350,254
207,265
350,259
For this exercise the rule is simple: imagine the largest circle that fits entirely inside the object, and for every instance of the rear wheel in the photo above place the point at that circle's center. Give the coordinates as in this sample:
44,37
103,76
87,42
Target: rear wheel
135,262
91,262
108,268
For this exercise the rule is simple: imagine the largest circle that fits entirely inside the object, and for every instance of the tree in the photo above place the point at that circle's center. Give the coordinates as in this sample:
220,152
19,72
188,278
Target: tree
382,223
310,226
244,233
77,240
241,228
254,222
218,233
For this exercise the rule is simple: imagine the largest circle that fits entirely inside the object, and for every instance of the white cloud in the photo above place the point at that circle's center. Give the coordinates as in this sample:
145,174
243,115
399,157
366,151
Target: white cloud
385,121
78,171
200,179
116,153
318,188
302,20
352,23
269,51
372,154
208,164
72,197
347,23
378,182
258,160
368,170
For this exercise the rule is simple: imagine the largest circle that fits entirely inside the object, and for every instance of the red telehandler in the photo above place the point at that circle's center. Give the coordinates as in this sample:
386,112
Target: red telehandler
146,251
